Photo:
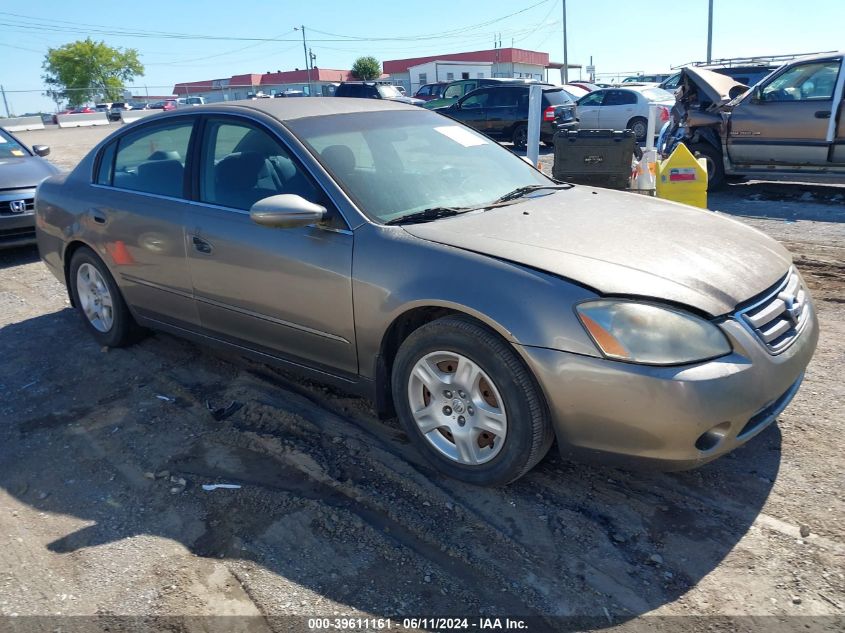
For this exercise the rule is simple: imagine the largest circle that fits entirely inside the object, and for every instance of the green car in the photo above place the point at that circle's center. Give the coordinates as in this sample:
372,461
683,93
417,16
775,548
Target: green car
458,89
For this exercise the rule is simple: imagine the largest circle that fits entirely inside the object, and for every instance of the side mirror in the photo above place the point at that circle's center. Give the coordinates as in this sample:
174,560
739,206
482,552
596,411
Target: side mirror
41,150
757,95
286,211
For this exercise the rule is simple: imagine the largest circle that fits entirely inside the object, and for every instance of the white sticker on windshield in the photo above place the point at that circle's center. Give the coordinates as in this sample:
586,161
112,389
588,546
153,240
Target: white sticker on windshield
461,135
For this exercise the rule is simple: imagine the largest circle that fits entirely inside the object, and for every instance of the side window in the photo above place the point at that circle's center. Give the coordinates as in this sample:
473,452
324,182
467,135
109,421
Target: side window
152,159
619,97
106,165
425,91
477,100
592,99
453,92
504,97
627,97
806,82
242,164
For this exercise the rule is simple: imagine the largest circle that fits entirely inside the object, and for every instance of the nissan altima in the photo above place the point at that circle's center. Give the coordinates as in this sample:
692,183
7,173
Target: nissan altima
403,256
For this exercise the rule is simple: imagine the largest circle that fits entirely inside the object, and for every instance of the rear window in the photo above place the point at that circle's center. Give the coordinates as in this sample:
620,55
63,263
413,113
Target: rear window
556,97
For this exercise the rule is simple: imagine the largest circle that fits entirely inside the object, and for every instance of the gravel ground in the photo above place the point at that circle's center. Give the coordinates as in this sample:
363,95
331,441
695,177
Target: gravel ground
103,454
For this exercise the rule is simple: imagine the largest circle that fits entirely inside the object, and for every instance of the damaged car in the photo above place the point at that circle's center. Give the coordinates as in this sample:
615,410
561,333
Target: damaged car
790,123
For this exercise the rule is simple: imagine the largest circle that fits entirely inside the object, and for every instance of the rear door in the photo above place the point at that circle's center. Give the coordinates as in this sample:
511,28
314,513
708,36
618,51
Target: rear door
618,108
287,292
786,120
138,218
589,108
504,112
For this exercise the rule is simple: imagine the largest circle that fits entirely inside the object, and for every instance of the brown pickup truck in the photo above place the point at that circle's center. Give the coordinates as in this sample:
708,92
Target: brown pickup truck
790,123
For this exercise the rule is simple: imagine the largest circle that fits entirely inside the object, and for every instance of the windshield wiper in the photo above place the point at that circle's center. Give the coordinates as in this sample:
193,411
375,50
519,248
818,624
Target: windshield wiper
519,192
427,215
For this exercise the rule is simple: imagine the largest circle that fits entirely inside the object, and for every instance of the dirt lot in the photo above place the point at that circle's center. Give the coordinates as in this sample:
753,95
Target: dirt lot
338,516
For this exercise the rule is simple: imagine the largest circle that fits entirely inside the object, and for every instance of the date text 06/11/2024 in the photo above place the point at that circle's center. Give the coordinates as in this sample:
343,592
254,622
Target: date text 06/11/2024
379,624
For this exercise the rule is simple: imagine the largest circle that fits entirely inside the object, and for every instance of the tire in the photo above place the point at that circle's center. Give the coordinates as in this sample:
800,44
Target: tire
520,137
114,326
715,164
640,127
501,392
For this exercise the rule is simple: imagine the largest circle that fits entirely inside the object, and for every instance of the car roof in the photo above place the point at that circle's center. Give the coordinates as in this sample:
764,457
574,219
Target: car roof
290,109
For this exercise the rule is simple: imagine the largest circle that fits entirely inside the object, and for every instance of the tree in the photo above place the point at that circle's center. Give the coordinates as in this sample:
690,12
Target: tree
86,70
367,68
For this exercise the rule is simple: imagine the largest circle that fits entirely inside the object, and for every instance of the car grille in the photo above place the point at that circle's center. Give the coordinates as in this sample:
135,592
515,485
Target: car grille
12,207
779,317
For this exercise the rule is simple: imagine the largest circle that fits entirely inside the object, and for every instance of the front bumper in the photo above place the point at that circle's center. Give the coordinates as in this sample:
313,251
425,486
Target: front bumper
640,416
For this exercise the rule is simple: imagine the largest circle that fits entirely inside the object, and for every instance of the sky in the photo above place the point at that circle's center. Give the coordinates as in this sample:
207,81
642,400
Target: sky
188,40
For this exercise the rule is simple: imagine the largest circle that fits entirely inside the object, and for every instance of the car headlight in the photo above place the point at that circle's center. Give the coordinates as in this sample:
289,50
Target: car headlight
650,334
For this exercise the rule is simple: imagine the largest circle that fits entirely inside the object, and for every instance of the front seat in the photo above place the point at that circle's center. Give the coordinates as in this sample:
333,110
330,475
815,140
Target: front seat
236,180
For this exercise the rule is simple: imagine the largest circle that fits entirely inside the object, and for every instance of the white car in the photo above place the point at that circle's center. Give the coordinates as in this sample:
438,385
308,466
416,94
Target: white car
624,109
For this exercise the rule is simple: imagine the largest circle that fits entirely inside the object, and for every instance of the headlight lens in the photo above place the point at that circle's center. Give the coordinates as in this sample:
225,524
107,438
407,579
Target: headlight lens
650,334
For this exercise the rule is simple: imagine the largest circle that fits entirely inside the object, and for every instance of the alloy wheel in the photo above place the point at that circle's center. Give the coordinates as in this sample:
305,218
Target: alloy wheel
95,298
457,408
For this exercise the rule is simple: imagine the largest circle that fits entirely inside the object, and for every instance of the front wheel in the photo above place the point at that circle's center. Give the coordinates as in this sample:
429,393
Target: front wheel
715,164
520,137
468,402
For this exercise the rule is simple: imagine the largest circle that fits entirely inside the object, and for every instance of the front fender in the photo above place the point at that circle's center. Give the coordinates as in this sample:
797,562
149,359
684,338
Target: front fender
394,272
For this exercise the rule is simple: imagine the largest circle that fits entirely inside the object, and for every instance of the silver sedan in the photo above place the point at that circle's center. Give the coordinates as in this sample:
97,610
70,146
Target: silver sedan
404,257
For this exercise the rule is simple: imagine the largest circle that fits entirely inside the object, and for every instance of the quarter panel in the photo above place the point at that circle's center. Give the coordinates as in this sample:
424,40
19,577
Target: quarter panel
394,272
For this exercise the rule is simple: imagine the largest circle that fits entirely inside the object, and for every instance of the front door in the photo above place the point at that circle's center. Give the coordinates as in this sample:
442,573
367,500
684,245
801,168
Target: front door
287,292
785,121
472,110
588,110
140,210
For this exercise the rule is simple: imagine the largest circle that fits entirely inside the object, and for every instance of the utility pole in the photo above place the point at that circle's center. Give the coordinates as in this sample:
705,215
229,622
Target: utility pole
307,61
710,32
5,103
565,56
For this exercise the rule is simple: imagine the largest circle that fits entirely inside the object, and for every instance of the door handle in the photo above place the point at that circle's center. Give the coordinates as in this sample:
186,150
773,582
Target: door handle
97,215
823,114
200,245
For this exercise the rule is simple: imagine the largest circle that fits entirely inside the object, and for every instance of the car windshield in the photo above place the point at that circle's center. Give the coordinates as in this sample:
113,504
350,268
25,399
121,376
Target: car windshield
10,148
394,164
388,92
657,94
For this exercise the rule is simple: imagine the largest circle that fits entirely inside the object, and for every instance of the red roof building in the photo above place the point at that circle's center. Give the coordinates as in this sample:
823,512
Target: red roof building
244,86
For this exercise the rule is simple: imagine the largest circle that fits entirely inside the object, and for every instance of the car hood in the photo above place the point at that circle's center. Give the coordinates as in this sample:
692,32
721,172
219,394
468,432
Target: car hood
624,244
26,171
717,88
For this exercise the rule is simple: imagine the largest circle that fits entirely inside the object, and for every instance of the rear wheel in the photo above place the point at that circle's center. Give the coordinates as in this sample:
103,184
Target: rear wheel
639,126
99,302
520,137
468,402
715,164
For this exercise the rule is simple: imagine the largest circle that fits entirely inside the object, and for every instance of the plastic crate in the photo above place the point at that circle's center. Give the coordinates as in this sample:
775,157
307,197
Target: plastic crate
600,158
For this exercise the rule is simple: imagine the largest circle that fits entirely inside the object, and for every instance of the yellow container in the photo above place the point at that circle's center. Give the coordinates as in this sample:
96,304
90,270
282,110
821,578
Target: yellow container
683,178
